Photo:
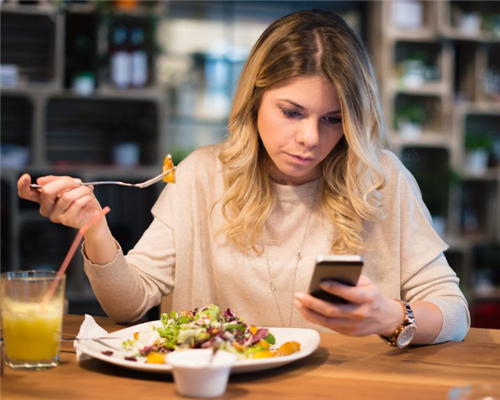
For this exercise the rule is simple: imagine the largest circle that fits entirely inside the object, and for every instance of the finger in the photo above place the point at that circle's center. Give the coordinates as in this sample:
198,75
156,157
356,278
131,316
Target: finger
353,294
25,191
336,324
52,191
73,214
67,198
325,308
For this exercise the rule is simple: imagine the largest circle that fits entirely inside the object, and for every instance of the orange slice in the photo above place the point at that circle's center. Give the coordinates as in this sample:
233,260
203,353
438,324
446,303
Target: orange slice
169,164
155,358
263,354
289,348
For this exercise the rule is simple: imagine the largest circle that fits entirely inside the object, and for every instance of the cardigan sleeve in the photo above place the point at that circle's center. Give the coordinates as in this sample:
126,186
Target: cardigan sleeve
130,285
425,272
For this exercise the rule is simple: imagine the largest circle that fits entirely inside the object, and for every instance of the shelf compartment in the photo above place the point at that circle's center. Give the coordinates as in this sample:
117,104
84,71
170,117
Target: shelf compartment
43,245
410,20
416,115
139,74
466,71
28,41
456,259
485,278
80,47
484,311
477,73
479,209
419,65
17,120
17,131
482,132
469,20
490,77
130,212
6,225
84,131
430,167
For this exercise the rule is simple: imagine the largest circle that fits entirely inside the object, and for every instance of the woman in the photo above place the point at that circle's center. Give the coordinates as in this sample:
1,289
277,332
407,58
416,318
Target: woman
302,174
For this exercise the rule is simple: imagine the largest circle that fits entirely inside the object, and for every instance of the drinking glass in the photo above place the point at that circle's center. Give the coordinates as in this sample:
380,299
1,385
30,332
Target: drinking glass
487,391
31,322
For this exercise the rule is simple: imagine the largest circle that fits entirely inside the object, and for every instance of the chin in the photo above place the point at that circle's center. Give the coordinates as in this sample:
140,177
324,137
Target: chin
304,177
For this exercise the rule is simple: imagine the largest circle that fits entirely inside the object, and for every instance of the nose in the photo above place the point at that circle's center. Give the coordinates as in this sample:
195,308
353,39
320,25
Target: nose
308,133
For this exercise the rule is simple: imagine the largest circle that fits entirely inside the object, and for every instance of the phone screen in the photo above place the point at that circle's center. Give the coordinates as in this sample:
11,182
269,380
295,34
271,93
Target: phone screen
344,269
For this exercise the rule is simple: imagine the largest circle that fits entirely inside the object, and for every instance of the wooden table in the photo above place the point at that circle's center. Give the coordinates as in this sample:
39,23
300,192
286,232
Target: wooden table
342,368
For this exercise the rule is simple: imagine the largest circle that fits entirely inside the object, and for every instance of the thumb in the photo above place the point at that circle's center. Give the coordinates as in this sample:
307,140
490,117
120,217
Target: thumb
364,281
25,192
44,180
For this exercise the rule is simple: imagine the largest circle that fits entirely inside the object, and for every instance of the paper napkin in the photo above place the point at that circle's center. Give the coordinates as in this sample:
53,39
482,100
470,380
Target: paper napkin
89,330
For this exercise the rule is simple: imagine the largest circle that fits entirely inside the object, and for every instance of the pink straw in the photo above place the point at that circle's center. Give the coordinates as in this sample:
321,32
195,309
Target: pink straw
71,253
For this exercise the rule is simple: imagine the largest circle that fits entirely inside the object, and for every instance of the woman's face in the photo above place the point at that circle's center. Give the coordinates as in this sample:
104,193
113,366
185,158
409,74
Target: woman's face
299,124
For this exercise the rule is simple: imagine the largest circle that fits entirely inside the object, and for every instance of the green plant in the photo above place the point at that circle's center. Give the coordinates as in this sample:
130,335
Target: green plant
418,55
179,153
435,187
479,141
453,178
414,113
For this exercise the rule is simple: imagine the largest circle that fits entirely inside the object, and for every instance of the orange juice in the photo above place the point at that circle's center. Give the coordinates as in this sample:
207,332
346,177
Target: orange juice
31,334
31,320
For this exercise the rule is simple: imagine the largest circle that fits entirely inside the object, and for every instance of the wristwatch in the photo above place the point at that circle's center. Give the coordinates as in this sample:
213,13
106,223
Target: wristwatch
405,332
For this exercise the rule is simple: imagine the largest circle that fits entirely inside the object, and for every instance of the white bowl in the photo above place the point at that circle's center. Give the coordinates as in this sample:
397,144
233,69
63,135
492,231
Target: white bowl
197,374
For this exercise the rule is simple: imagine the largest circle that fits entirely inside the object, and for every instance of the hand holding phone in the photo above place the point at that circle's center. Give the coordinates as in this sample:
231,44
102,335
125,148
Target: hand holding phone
344,269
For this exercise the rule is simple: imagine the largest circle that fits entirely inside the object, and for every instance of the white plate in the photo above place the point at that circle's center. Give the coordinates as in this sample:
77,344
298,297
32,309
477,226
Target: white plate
308,339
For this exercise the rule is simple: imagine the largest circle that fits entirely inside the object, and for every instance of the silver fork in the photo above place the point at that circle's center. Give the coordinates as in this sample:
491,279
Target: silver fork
99,340
141,185
89,338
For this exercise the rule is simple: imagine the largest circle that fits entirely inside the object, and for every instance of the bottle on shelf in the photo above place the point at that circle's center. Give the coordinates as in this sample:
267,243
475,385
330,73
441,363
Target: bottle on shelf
139,58
126,5
121,75
407,14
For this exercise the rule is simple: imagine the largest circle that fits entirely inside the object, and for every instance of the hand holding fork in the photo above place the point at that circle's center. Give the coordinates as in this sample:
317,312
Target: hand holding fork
141,185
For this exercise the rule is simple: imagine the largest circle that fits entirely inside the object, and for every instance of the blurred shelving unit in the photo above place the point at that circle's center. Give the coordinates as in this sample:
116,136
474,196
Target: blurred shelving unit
199,72
438,64
70,106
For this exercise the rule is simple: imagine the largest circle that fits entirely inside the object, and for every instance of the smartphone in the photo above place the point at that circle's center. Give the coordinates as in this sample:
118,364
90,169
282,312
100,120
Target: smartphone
342,268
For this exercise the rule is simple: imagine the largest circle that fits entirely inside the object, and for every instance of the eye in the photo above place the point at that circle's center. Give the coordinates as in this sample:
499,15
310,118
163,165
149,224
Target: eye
290,113
333,120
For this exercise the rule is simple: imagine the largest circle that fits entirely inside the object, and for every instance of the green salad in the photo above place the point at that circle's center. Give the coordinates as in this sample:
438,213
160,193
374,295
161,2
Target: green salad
206,328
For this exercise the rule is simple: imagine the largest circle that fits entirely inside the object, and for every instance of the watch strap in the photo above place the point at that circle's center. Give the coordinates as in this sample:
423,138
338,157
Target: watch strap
409,319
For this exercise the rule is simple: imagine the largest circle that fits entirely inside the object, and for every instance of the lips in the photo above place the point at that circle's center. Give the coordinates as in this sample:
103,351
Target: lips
301,159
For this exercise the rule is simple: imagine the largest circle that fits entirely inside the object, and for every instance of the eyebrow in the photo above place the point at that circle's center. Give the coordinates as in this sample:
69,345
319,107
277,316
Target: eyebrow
303,108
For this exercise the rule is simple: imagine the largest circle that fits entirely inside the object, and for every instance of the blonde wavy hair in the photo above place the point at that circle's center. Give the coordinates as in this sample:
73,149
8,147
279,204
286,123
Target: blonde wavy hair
307,43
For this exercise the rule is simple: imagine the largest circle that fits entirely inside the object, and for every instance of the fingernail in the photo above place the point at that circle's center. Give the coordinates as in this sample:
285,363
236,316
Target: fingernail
299,296
297,304
77,180
326,285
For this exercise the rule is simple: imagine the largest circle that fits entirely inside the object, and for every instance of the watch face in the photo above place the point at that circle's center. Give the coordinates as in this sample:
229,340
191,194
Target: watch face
406,336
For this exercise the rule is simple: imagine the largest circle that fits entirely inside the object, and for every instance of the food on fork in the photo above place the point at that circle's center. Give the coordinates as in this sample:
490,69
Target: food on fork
169,164
206,328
